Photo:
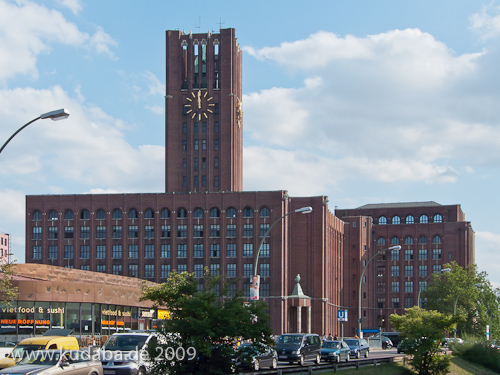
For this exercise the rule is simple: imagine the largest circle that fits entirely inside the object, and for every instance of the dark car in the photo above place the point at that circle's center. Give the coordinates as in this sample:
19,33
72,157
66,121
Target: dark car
299,347
335,351
407,344
359,347
256,356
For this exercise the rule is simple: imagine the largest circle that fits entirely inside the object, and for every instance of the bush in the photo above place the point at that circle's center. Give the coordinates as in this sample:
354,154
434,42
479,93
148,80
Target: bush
479,352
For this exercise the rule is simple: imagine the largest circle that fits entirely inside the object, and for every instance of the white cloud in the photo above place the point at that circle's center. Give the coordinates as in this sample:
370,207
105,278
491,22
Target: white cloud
487,21
26,31
74,5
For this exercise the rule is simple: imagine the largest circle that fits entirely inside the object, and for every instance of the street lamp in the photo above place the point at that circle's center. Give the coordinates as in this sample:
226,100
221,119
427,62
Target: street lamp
59,114
396,247
427,278
303,210
455,305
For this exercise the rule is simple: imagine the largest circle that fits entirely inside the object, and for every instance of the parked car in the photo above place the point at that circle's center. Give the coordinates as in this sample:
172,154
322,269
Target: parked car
359,347
386,342
335,351
56,362
407,344
449,341
299,347
256,356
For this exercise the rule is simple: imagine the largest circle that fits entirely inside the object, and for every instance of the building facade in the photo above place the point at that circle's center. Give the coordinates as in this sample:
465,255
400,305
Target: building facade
4,248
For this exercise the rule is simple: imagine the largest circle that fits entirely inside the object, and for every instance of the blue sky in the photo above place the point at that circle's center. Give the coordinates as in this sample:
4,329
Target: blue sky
362,101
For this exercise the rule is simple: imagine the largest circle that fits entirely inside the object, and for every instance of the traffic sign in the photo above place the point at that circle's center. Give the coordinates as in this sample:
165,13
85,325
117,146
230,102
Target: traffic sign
342,315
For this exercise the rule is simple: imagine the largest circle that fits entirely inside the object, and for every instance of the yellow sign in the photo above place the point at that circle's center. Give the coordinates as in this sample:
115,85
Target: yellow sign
163,314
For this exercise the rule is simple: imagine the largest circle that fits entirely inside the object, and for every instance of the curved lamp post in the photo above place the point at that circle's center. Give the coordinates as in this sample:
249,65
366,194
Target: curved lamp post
396,247
427,278
59,114
455,305
303,210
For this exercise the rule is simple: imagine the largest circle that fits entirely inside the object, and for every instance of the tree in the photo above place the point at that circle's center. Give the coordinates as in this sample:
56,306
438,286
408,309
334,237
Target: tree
425,330
477,304
8,292
203,322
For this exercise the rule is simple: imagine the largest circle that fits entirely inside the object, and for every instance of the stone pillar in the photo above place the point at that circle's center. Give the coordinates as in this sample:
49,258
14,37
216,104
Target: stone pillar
299,319
309,318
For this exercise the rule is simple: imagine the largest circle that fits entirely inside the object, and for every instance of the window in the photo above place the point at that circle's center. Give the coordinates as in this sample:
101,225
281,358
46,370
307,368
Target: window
263,229
133,231
149,251
422,270
381,241
247,212
230,250
408,254
231,212
84,252
380,271
408,286
264,212
438,218
100,215
215,230
182,213
248,249
204,127
117,231
181,268
380,287
149,231
408,302
52,233
436,253
165,231
380,302
436,268
117,269
215,269
198,213
424,219
165,270
203,144
409,240
37,252
214,250
395,302
100,232
265,290
101,268
422,285
264,250
422,254
216,126
165,250
198,250
216,144
184,145
37,233
198,230
117,214
395,241
84,215
149,271
196,145
410,219
85,267
394,254
117,251
231,269
52,252
382,220
214,212
422,240
133,251
247,230
395,287
68,251
395,271
181,250
101,251
53,215
165,213
132,214
37,216
198,270
264,270
216,181
184,181
396,220
231,231
247,269
436,240
182,231
408,271
133,270
68,215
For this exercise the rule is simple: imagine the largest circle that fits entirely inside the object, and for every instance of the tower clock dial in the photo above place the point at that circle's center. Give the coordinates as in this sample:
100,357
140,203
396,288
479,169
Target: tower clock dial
198,105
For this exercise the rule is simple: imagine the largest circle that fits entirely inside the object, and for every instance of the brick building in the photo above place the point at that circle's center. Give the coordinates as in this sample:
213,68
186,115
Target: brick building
204,219
4,248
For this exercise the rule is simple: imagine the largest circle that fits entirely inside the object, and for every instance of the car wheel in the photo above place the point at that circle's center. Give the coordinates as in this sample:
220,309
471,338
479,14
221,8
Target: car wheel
256,365
318,359
302,360
358,355
366,354
141,371
274,365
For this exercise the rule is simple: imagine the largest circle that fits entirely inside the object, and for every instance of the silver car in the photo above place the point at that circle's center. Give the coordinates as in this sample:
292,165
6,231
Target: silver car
56,362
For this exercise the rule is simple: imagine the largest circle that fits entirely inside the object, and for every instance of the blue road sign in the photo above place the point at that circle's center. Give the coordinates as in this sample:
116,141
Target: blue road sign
342,315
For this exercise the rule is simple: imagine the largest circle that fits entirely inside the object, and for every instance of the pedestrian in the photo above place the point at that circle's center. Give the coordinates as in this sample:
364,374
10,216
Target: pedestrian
330,337
324,336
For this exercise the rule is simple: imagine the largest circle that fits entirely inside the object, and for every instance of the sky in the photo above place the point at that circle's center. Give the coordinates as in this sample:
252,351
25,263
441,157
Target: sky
362,101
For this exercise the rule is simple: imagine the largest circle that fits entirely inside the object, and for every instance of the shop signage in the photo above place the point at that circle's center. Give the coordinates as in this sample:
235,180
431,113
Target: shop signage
112,323
32,310
163,314
116,313
147,314
24,321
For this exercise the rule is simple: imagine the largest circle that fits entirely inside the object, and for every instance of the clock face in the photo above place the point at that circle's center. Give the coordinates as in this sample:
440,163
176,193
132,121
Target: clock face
199,105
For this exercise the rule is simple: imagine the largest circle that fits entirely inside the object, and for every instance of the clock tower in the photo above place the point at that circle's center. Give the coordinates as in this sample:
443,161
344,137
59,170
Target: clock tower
203,112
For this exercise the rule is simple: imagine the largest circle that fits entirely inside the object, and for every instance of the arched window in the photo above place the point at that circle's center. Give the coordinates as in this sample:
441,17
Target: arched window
52,215
100,215
381,241
132,214
247,212
214,212
37,216
382,220
84,215
264,212
395,241
117,214
231,212
438,218
436,239
424,219
410,219
69,215
422,240
149,214
396,220
198,213
165,213
409,240
181,213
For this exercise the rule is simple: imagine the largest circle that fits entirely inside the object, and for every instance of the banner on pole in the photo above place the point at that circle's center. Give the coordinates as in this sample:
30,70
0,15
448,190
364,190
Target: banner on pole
254,288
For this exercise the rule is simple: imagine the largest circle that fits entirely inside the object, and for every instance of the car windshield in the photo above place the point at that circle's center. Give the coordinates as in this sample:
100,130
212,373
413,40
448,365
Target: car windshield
21,350
45,358
330,344
290,339
352,342
125,342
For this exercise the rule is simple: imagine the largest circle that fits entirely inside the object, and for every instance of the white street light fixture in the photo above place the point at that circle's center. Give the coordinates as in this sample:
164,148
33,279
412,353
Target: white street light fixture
59,114
396,247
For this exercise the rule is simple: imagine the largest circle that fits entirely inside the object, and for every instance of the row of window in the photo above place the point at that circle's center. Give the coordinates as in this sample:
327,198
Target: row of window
196,145
149,251
395,302
422,240
408,254
410,219
408,270
149,213
149,231
196,126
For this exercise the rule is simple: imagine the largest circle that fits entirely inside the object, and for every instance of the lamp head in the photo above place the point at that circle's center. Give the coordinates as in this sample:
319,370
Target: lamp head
395,247
58,114
445,270
304,210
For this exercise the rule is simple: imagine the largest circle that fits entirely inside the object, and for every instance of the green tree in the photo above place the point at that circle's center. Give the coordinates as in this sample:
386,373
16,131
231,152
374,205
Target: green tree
425,330
477,304
204,321
8,292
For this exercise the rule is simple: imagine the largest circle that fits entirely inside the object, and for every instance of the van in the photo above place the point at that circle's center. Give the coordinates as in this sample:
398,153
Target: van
299,347
39,343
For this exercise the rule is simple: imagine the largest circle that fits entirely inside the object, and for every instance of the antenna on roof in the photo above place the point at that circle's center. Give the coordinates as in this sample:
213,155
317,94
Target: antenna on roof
220,23
199,25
